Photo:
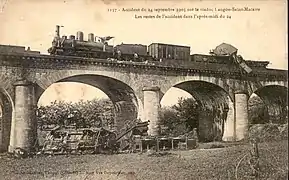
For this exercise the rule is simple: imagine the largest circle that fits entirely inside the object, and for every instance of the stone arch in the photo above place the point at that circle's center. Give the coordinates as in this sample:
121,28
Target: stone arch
228,85
7,86
45,79
217,107
274,97
6,104
254,86
126,103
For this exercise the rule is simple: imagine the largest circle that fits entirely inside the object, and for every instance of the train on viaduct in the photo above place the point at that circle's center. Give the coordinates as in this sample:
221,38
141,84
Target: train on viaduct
135,81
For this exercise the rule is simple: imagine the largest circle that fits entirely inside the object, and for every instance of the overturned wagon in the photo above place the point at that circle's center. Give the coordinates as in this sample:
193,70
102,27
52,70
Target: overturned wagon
83,140
90,140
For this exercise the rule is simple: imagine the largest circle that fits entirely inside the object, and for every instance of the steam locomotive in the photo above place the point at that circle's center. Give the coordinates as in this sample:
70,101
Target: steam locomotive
96,47
168,54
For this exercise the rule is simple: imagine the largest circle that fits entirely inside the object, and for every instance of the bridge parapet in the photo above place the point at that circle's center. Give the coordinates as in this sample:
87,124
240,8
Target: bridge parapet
41,61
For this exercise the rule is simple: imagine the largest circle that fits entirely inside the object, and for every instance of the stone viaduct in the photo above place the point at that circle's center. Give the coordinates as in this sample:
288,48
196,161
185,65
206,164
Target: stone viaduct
221,89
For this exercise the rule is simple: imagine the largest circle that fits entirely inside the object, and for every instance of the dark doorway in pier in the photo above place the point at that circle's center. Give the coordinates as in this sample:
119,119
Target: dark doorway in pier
211,109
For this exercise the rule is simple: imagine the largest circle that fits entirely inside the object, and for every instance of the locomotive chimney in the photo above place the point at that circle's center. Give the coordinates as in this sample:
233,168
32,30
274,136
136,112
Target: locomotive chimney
91,37
72,37
79,36
57,33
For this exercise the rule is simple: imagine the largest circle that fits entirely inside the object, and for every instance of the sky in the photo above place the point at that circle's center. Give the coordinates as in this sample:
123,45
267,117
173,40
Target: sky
258,35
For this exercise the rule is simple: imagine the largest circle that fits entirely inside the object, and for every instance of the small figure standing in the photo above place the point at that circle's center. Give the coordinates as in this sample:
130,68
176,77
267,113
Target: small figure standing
135,56
195,135
119,55
49,139
65,142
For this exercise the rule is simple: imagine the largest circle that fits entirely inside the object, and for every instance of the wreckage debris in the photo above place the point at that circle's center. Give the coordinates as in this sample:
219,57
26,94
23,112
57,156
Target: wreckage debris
133,138
72,140
225,49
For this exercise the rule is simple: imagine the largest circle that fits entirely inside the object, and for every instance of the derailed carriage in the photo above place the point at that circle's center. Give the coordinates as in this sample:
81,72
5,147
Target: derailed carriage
71,140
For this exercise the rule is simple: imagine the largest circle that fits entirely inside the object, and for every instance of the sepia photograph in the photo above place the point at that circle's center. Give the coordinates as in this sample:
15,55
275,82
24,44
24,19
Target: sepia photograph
143,90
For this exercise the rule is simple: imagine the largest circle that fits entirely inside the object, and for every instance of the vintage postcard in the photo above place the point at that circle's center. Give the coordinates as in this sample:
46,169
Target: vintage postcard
143,89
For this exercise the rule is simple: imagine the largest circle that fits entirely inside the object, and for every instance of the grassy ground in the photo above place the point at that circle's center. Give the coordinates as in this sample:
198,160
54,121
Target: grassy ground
218,163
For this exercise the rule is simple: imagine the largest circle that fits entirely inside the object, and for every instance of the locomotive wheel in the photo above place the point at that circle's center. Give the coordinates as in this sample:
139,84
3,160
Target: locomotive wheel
93,55
103,55
96,55
72,52
88,55
58,52
126,58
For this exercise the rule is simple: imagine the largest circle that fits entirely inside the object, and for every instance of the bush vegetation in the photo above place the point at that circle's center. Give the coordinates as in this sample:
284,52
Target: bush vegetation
180,118
93,113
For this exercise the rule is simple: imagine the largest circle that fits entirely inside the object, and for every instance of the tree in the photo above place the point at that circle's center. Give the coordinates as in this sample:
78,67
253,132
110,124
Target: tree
94,113
188,112
172,124
258,113
180,118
